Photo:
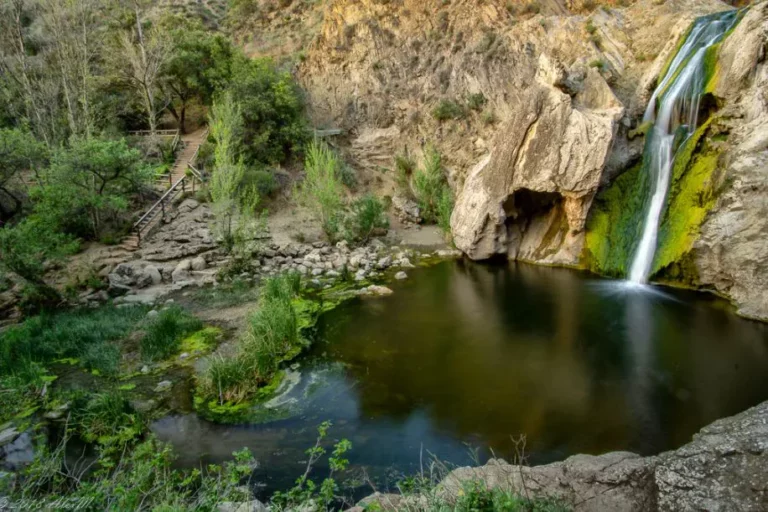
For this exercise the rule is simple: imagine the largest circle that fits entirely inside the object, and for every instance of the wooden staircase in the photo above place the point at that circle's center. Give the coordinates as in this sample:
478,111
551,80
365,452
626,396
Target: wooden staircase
170,185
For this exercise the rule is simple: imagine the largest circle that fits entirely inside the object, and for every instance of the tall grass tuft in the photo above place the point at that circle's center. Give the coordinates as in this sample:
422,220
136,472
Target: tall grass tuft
163,333
272,333
432,191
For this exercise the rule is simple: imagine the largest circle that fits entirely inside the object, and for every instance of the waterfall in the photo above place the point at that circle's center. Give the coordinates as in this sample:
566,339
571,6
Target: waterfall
677,95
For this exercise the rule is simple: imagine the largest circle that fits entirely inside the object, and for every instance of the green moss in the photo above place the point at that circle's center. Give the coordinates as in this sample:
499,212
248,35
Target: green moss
615,223
201,341
642,129
691,195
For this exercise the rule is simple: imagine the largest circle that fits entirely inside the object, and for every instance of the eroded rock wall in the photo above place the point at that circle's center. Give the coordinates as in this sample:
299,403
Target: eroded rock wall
731,254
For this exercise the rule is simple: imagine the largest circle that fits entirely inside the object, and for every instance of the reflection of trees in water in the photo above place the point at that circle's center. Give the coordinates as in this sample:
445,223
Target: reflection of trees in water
476,357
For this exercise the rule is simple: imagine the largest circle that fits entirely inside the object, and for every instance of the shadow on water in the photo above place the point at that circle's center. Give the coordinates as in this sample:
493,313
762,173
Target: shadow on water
473,355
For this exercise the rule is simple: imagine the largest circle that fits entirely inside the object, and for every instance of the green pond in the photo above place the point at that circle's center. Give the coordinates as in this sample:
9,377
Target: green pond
465,358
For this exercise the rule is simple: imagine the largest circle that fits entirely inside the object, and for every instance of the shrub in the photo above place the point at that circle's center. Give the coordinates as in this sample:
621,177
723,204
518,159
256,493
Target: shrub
164,333
322,189
429,185
488,117
448,109
262,180
476,101
107,418
365,215
599,64
404,168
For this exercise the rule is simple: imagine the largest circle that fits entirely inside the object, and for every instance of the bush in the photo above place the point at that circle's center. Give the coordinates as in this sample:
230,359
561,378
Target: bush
142,479
262,180
448,109
322,189
404,168
364,217
164,333
432,190
476,101
488,117
273,112
107,418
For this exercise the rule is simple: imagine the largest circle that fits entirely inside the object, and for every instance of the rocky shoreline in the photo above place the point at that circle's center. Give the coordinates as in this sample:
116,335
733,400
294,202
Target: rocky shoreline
724,467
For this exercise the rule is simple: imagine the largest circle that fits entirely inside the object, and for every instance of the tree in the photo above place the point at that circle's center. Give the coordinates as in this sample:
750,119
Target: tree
322,190
142,52
272,109
73,30
88,183
199,65
233,205
32,91
19,152
26,248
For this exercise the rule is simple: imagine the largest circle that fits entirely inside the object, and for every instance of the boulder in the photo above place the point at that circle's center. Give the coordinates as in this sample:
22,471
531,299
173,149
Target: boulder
401,275
406,209
182,272
199,263
163,386
154,274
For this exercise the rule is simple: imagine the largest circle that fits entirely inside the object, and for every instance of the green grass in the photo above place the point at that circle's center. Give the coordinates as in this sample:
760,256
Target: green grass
106,418
163,333
272,335
86,334
476,497
432,192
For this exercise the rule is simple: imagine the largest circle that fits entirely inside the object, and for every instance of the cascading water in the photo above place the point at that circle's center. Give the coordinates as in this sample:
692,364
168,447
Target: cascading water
678,95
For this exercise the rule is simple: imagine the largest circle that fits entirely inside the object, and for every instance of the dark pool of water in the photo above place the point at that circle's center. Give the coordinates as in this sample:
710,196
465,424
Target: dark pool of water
466,356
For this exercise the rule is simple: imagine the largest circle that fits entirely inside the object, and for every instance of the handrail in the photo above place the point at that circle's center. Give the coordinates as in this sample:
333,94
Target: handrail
197,151
197,174
157,132
159,202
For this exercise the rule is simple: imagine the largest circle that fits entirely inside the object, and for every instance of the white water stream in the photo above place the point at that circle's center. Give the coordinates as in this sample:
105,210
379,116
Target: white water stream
678,93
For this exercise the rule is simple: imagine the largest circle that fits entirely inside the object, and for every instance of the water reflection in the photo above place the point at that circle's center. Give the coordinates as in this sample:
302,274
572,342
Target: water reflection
472,354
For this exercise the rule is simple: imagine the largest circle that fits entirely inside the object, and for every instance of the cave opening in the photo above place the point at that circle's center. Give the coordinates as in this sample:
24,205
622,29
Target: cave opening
525,204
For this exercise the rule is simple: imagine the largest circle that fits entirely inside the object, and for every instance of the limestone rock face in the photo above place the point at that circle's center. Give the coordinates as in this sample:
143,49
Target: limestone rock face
530,197
731,254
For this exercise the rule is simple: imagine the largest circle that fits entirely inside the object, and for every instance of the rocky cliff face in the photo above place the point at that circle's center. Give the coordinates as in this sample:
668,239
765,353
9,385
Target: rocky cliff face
564,91
731,255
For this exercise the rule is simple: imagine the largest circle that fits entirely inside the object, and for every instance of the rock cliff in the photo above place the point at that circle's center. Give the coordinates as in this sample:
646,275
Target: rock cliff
562,91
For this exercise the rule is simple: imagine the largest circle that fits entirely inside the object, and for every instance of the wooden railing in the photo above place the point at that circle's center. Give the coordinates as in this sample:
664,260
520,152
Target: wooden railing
180,187
161,133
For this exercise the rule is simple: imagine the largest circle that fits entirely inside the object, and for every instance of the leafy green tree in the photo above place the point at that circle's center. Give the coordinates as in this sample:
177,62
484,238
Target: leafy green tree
272,110
27,247
233,205
200,64
19,152
90,183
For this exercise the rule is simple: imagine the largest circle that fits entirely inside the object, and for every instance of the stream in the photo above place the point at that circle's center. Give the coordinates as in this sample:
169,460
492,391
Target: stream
465,358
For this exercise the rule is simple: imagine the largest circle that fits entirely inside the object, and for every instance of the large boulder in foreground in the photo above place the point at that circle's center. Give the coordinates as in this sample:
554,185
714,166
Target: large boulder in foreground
724,468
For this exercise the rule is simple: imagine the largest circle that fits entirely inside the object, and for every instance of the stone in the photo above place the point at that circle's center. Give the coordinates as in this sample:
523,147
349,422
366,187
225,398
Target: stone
360,275
181,272
198,263
18,453
317,272
355,260
8,435
379,291
401,275
248,506
144,406
384,263
406,209
154,274
144,370
152,314
163,386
